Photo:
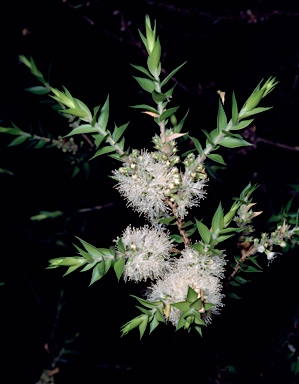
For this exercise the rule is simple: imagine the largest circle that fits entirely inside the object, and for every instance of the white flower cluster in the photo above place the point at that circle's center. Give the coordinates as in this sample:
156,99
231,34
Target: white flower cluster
201,273
147,181
146,252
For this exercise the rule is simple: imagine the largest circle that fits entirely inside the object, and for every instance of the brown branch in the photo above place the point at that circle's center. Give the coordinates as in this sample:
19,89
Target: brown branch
245,253
279,145
179,222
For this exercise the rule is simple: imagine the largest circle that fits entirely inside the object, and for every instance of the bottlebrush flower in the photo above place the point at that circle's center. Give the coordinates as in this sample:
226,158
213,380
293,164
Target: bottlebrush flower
145,183
146,253
174,288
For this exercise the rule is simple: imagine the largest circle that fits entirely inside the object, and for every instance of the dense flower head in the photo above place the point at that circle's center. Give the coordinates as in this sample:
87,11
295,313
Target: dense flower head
149,180
145,183
174,288
190,193
146,253
211,264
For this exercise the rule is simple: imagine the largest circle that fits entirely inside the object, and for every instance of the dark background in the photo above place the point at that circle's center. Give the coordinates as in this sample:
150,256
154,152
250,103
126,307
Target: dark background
88,47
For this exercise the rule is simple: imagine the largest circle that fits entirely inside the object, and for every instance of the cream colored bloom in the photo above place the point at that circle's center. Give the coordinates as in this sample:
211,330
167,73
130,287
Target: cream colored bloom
146,253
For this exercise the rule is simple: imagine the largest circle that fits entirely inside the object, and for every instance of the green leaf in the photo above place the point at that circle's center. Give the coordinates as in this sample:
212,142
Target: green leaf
208,306
143,40
102,151
232,295
88,266
168,113
240,125
107,265
197,144
83,107
170,91
84,128
192,295
97,273
230,229
197,304
104,115
119,267
38,90
217,220
158,97
120,246
177,238
95,114
209,138
147,304
182,305
146,107
18,140
143,70
217,158
154,58
253,260
71,269
75,112
146,84
199,247
180,125
254,111
249,268
153,324
187,224
118,131
40,144
93,251
142,327
235,112
11,131
221,118
240,279
166,220
172,73
232,142
203,231
224,237
46,215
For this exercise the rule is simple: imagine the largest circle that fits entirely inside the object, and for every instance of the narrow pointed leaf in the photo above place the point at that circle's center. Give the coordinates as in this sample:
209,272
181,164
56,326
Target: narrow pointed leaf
119,267
142,327
192,295
146,107
143,70
97,273
154,58
217,220
168,113
118,131
232,142
84,128
221,118
93,251
102,151
197,144
18,140
241,124
172,73
180,125
75,112
104,115
38,90
234,109
146,84
217,158
204,232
